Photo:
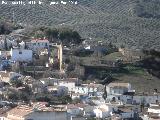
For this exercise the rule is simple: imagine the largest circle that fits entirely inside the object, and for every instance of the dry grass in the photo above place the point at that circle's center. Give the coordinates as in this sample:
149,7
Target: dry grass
141,83
139,78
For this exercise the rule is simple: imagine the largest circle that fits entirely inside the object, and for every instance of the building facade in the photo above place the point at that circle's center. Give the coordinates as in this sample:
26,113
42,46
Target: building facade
21,55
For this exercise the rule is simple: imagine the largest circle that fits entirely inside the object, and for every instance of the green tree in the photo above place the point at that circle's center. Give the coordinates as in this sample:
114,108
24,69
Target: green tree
108,79
51,33
65,99
2,29
39,34
65,35
76,100
23,96
76,38
13,96
16,83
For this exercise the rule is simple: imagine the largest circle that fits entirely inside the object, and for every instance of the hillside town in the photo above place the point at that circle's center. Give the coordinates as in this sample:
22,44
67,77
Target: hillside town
43,80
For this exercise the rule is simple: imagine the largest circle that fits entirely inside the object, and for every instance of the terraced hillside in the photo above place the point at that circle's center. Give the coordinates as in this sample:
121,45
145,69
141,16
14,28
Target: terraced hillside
134,23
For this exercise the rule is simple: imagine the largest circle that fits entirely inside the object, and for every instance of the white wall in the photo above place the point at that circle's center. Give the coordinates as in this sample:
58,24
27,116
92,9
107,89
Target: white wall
116,90
127,115
75,96
69,85
121,90
84,89
74,111
21,55
98,102
151,110
102,114
98,113
2,118
136,99
81,89
147,99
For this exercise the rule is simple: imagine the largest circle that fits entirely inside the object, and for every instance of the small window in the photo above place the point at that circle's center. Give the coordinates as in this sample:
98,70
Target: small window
20,52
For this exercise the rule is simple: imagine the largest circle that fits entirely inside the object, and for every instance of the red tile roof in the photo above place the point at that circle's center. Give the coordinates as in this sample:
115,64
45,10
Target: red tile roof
20,111
74,106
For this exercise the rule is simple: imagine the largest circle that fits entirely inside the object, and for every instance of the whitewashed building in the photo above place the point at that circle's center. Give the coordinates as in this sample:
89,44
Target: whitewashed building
146,99
126,113
90,89
50,81
37,44
154,111
69,83
21,55
58,90
103,111
22,45
75,109
118,88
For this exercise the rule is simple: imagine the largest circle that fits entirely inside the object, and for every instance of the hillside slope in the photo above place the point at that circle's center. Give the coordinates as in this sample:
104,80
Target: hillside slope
134,23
